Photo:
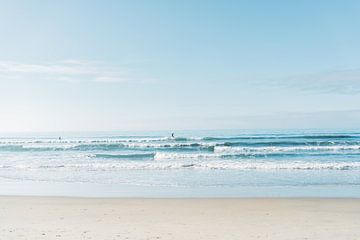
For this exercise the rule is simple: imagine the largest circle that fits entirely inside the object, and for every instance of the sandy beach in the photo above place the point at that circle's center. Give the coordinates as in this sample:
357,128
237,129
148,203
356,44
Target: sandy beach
121,218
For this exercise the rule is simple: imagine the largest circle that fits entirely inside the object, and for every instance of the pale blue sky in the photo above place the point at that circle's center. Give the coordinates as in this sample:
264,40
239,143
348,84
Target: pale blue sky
161,65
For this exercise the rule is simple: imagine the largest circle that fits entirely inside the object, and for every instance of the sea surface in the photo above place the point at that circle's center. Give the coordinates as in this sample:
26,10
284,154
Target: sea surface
232,163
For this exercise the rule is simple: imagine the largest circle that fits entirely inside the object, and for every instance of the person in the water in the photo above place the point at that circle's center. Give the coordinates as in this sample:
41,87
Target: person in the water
173,135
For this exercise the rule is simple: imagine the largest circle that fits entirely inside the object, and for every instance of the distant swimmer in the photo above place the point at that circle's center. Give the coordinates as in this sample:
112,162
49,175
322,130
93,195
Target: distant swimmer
60,138
173,135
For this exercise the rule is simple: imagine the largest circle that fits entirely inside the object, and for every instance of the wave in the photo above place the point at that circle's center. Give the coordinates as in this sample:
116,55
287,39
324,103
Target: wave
241,156
42,148
21,148
171,146
89,147
327,136
287,143
188,150
193,151
218,147
137,156
229,155
157,156
271,149
220,165
108,147
332,136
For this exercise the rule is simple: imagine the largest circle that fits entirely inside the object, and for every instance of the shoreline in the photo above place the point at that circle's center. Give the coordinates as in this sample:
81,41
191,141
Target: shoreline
124,190
178,218
179,198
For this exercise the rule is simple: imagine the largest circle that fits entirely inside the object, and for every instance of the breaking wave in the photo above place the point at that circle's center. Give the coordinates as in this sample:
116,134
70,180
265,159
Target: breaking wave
221,165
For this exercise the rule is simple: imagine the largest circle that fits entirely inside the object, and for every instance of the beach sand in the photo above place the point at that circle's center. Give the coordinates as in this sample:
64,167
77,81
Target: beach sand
121,218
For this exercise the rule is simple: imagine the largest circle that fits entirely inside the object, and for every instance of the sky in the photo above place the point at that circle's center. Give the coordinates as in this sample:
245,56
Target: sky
98,65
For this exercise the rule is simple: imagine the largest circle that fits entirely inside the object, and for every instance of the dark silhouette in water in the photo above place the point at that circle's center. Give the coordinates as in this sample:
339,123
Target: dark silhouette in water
173,135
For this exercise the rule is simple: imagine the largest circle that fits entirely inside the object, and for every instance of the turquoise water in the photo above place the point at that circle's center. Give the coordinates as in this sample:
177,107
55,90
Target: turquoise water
191,164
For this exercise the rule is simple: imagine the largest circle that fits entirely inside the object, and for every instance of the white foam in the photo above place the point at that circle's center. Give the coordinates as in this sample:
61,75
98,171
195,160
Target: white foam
219,149
224,165
169,156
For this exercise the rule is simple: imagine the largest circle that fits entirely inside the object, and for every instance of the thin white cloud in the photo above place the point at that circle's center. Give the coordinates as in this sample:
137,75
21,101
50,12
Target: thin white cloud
69,71
342,82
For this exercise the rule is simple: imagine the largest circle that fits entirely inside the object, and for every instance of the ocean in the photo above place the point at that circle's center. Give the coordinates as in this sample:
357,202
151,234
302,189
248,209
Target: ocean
232,163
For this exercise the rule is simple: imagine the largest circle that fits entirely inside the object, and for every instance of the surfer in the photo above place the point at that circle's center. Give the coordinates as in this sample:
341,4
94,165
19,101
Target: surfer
173,135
